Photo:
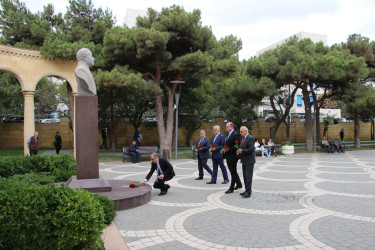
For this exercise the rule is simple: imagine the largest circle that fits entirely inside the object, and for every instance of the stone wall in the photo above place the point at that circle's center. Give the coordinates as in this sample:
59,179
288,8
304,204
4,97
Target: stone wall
12,133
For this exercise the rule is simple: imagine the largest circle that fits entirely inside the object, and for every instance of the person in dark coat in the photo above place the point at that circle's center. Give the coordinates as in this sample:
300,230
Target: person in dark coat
134,152
58,142
164,172
247,154
202,148
232,140
33,144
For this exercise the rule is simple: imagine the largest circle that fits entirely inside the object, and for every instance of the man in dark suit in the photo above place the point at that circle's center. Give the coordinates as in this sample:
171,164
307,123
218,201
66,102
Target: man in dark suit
202,148
247,154
217,158
164,172
134,152
232,139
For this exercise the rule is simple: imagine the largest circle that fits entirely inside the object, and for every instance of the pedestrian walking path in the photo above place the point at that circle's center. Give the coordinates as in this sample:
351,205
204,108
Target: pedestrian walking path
304,201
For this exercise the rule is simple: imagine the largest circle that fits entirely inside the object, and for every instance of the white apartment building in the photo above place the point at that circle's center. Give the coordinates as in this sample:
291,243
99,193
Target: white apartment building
131,15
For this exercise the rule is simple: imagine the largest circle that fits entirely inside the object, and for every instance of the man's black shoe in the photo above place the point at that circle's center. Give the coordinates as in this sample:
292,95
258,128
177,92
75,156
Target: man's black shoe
166,188
225,182
246,195
199,178
237,187
243,193
162,193
210,182
229,191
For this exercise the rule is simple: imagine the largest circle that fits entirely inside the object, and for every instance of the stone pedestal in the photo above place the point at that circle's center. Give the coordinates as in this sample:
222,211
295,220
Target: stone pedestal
86,146
86,136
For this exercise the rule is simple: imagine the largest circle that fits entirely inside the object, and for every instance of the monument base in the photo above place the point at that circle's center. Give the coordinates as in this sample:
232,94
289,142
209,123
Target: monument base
91,185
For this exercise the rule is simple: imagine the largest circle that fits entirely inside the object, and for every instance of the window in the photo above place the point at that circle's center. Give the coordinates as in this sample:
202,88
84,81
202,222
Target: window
299,100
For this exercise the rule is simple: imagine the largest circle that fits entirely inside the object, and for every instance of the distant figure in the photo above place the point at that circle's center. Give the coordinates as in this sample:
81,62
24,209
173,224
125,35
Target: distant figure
326,145
85,80
58,142
33,144
342,133
137,137
104,138
202,148
134,152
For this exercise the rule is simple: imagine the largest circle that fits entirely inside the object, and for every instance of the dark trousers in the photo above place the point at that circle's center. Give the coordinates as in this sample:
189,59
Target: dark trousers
329,148
33,152
232,166
247,170
159,183
202,163
58,148
339,148
215,164
104,143
135,156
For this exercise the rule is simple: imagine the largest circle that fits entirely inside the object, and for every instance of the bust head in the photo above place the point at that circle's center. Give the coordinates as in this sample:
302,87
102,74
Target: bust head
85,55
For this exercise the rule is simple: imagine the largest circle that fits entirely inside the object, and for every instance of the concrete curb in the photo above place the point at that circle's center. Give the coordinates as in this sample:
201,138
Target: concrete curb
112,238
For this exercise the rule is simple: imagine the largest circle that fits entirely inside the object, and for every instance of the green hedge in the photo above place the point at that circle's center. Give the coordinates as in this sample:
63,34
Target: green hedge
33,216
62,167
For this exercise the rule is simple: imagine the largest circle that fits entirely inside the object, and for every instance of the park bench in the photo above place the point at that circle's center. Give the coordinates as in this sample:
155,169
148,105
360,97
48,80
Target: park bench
143,150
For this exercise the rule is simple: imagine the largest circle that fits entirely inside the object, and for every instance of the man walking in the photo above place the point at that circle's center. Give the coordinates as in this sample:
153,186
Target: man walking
202,148
33,144
217,157
232,139
164,172
247,154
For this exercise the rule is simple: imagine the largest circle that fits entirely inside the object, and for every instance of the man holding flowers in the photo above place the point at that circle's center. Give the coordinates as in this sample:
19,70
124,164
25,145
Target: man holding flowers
232,140
202,148
217,157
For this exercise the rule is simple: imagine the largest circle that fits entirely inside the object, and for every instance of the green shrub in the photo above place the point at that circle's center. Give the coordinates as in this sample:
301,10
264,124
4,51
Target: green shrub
33,216
60,166
108,207
42,178
286,143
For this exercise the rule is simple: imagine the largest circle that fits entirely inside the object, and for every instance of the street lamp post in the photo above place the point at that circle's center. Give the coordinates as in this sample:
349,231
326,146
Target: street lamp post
177,97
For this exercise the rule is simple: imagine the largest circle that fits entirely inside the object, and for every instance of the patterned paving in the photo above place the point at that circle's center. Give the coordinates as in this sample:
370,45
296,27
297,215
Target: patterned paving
305,201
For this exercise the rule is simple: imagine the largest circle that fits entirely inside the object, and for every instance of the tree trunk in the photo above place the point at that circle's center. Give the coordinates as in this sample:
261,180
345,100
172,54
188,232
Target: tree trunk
287,129
308,120
372,129
357,127
325,131
273,132
317,123
113,121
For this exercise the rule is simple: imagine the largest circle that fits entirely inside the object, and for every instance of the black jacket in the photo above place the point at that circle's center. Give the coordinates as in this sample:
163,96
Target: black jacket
165,166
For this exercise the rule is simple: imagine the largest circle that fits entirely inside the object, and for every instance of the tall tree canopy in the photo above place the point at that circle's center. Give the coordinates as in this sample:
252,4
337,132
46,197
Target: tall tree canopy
165,47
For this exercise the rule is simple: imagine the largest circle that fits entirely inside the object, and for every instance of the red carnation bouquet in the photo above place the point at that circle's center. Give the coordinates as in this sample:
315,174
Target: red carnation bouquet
213,145
236,146
224,149
200,147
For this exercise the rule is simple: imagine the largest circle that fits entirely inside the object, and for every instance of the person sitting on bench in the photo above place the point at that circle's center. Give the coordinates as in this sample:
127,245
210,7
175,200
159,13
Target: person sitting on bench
326,145
337,144
134,153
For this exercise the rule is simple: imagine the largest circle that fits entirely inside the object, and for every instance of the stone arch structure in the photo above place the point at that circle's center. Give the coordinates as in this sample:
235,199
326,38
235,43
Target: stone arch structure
29,67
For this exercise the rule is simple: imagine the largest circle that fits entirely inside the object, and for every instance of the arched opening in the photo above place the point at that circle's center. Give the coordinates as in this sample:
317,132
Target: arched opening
11,98
53,105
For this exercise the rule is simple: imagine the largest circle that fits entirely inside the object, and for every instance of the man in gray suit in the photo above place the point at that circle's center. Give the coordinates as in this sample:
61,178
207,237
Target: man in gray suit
247,154
202,148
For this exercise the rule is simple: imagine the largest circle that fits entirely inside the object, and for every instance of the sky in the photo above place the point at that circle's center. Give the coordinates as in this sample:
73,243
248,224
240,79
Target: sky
258,23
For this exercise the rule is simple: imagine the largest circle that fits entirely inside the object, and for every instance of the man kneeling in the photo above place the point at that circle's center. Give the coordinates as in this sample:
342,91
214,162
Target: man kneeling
164,172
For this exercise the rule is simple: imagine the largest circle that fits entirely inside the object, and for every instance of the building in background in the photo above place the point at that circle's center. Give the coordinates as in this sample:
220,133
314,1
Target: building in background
131,15
298,109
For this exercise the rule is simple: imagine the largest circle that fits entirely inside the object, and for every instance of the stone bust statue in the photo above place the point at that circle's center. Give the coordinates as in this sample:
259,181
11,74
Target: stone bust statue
85,80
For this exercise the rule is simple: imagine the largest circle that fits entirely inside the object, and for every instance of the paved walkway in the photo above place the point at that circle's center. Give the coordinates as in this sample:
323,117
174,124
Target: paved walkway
306,201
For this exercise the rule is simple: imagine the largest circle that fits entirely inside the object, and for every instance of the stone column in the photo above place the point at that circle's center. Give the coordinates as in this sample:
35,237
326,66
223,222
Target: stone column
29,118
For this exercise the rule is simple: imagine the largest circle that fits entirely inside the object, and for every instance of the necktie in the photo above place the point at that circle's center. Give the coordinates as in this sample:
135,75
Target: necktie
214,139
200,141
226,138
158,171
